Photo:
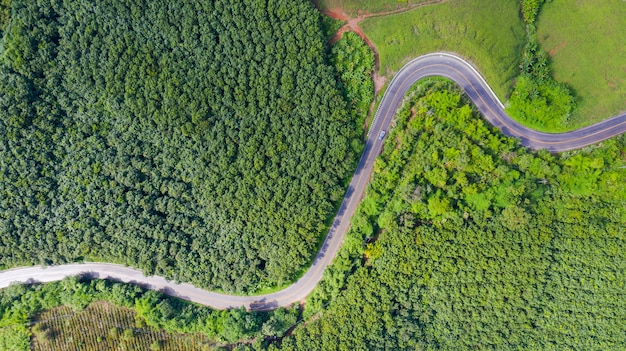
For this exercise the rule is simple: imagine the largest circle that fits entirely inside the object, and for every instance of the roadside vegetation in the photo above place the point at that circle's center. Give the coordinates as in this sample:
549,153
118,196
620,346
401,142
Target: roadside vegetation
464,240
586,44
538,100
330,26
467,240
488,33
131,316
580,92
218,145
207,142
354,62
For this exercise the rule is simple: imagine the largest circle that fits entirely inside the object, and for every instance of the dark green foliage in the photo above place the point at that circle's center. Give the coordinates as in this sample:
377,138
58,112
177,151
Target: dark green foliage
19,303
530,9
5,14
280,321
330,26
203,141
545,104
354,62
481,244
538,100
534,62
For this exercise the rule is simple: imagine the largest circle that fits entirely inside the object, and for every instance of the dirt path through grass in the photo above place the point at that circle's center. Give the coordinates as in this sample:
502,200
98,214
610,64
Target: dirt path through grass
352,25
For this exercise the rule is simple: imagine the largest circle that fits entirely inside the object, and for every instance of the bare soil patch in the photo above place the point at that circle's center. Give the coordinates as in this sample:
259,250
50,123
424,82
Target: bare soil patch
557,48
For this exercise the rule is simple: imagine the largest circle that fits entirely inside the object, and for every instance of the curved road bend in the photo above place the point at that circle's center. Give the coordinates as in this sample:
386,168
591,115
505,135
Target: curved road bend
437,64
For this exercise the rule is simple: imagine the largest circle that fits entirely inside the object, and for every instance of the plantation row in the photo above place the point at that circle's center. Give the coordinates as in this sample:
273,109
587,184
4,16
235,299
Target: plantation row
132,315
102,326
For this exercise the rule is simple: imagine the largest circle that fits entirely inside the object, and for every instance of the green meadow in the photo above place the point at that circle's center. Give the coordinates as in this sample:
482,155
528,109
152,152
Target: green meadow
489,34
357,7
586,41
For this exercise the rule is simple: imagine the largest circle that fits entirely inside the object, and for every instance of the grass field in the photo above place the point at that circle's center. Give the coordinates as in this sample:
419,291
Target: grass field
102,326
488,33
358,7
587,44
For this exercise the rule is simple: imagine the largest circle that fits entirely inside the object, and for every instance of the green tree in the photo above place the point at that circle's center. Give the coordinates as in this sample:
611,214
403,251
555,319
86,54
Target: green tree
519,263
154,133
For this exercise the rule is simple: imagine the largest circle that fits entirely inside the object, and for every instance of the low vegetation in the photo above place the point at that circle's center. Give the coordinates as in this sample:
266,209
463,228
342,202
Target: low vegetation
538,100
161,318
358,7
586,42
207,142
466,240
580,92
102,326
354,62
488,33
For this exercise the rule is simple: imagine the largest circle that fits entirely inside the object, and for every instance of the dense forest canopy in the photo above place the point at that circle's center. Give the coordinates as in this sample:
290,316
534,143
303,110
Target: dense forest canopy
465,240
206,141
5,14
21,305
475,243
355,62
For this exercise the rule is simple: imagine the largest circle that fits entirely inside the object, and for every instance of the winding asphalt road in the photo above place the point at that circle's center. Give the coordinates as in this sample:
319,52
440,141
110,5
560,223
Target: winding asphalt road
437,64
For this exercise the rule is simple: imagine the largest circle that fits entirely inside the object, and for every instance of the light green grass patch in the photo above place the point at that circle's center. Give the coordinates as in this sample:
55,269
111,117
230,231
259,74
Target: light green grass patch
586,41
488,33
357,7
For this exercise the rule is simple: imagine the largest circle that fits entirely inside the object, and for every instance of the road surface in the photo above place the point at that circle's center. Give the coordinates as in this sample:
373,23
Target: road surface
437,64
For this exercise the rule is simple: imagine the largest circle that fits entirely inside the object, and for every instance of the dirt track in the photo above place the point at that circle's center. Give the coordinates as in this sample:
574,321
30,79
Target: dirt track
352,25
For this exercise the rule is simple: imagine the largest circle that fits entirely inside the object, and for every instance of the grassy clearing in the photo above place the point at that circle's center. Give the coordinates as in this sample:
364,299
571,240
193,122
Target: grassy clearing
358,7
103,326
593,64
490,34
